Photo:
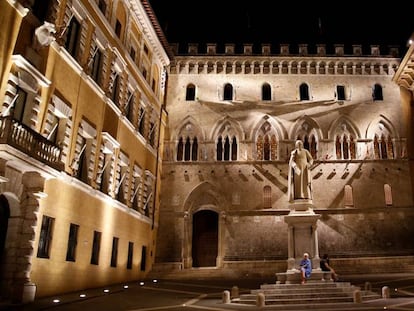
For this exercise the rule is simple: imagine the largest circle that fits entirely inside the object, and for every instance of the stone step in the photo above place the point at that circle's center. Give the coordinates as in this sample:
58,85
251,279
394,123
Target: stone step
309,285
318,292
326,291
319,306
299,300
293,296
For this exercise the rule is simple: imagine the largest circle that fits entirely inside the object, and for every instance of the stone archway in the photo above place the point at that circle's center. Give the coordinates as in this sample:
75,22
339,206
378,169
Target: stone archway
205,239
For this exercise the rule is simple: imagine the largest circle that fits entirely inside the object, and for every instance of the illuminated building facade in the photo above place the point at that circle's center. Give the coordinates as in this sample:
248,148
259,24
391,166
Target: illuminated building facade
82,124
234,116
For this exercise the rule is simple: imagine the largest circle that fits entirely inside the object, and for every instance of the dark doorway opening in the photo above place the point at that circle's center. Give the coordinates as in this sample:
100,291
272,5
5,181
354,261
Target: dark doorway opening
205,239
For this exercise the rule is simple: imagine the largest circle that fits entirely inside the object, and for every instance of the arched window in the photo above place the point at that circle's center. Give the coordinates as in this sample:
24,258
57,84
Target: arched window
266,92
338,149
194,150
180,149
306,143
220,149
313,147
187,151
273,148
388,194
383,147
348,196
259,147
345,147
190,92
377,92
228,92
234,149
310,144
304,91
267,197
227,149
390,147
266,148
376,148
352,147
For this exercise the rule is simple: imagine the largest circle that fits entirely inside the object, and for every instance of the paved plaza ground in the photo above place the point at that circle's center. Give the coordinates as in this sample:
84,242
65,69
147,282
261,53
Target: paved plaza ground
175,295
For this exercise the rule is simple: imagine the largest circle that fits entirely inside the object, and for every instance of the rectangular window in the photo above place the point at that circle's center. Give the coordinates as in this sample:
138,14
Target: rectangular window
132,53
130,255
153,85
143,258
97,67
121,182
82,161
72,242
129,109
45,239
54,124
114,255
141,121
20,104
96,247
105,174
340,90
118,28
72,41
151,136
116,88
102,6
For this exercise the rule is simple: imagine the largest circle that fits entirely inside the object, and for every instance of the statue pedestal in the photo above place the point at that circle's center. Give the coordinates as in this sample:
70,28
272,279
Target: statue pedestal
302,238
301,205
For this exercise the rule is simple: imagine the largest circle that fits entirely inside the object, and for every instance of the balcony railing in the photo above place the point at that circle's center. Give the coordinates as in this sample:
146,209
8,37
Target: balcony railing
23,138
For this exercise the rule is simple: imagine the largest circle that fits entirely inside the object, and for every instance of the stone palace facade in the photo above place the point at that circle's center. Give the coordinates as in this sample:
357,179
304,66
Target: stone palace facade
233,118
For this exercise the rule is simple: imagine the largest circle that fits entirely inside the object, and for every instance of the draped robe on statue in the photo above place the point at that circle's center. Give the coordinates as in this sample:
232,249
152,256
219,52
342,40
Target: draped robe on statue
299,176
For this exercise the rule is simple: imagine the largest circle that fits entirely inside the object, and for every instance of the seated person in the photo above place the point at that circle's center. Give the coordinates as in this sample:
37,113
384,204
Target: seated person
324,264
305,267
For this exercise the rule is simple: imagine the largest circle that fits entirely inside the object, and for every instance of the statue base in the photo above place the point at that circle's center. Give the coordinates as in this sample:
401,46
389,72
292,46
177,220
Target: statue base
302,234
301,206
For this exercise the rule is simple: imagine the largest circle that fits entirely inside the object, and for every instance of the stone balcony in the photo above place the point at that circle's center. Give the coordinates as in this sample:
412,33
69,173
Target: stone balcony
26,140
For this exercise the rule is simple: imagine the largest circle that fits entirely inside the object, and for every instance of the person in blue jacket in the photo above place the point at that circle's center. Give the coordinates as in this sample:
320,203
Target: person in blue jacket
305,267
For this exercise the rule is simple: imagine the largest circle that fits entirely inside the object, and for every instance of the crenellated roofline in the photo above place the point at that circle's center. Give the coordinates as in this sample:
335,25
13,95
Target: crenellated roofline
285,49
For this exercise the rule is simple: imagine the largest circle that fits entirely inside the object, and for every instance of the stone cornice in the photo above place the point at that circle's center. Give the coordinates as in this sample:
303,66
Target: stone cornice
231,64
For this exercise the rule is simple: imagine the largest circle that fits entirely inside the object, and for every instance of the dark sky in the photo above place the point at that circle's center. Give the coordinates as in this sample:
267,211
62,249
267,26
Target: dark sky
261,21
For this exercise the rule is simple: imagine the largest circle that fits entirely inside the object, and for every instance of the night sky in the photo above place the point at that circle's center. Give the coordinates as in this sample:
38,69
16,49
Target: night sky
260,21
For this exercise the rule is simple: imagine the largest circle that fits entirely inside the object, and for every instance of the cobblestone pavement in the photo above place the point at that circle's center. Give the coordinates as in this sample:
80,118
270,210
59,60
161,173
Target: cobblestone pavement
175,295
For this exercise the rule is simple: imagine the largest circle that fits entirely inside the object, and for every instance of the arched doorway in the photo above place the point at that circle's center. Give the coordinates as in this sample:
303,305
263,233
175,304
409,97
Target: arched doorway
205,238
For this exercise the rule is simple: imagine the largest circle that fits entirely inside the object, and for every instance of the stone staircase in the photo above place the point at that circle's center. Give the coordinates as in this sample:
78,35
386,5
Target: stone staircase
315,294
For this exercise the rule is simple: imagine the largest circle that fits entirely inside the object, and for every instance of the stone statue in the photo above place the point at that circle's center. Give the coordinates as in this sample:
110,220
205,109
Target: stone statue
299,176
44,35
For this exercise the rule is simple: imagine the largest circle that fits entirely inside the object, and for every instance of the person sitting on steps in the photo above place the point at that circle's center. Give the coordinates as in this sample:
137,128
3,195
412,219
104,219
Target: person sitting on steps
325,267
305,267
